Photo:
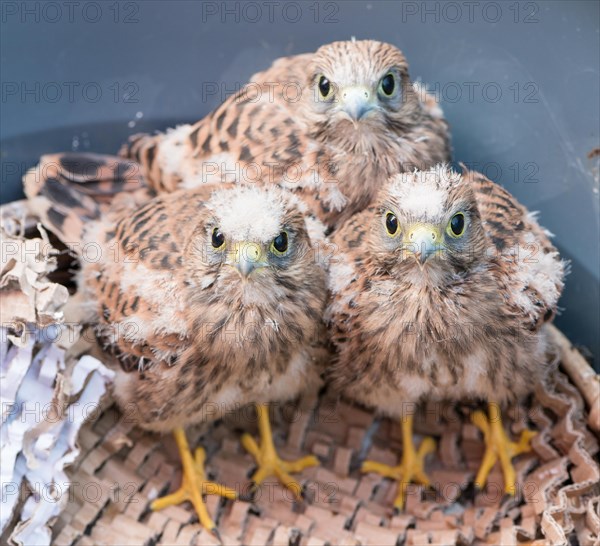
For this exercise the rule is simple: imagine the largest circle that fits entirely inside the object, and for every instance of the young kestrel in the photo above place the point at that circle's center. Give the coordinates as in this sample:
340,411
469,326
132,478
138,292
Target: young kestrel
441,290
210,299
330,125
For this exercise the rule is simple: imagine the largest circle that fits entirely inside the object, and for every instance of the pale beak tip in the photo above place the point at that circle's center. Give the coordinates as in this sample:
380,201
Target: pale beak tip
356,114
420,258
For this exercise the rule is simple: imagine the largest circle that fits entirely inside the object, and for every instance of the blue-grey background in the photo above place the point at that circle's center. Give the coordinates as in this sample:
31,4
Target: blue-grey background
518,81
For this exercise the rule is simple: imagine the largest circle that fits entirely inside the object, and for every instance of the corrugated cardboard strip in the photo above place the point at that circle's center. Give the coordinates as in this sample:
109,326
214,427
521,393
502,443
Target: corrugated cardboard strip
117,469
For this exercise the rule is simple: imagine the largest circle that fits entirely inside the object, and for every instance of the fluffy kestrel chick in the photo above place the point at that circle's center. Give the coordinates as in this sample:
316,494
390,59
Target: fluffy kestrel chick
441,291
211,299
330,125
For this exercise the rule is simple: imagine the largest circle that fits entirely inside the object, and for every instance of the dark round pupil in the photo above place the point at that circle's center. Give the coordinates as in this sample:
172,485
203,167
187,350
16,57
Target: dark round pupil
391,223
281,242
217,238
324,86
387,84
457,224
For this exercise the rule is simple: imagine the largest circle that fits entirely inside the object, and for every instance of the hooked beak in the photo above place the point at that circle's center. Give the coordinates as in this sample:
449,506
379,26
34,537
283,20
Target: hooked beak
423,241
356,102
246,257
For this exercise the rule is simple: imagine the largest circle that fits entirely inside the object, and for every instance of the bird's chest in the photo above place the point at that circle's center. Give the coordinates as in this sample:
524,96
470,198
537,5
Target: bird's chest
417,329
360,175
245,342
362,167
339,182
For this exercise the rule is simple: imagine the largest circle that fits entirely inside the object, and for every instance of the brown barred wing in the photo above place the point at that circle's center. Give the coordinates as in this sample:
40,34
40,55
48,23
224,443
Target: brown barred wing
528,266
67,190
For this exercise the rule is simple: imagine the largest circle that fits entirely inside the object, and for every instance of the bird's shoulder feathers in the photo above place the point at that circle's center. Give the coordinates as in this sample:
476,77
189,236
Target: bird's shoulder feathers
527,266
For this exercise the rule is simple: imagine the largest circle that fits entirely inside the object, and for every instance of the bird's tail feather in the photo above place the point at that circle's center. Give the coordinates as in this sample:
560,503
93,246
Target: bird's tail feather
68,190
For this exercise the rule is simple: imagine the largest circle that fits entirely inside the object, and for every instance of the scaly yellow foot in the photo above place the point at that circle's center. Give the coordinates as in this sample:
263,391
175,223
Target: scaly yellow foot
499,446
193,484
410,468
269,463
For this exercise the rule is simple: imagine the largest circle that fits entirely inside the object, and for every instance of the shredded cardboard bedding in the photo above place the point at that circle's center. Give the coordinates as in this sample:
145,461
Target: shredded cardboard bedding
46,397
79,477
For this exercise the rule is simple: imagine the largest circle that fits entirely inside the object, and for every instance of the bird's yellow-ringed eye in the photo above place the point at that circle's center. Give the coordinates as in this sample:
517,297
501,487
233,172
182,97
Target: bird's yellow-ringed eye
391,223
325,87
456,225
218,239
279,245
387,85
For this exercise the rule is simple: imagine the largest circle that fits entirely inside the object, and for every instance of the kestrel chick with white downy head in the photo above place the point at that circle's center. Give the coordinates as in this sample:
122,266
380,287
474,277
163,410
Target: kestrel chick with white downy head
442,290
210,299
330,126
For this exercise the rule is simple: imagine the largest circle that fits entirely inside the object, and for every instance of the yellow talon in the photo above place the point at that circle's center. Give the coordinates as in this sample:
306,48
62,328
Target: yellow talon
411,468
193,484
499,446
269,463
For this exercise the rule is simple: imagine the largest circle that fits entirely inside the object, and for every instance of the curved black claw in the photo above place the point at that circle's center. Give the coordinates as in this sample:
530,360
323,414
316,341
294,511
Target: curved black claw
250,494
305,496
431,492
216,534
508,498
469,493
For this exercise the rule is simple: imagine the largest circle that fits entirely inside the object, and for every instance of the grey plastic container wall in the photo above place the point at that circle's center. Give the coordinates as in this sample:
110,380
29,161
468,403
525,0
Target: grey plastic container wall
518,81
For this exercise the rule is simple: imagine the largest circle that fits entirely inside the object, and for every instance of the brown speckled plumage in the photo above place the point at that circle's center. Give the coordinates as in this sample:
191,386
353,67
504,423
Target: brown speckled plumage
196,338
468,323
279,129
